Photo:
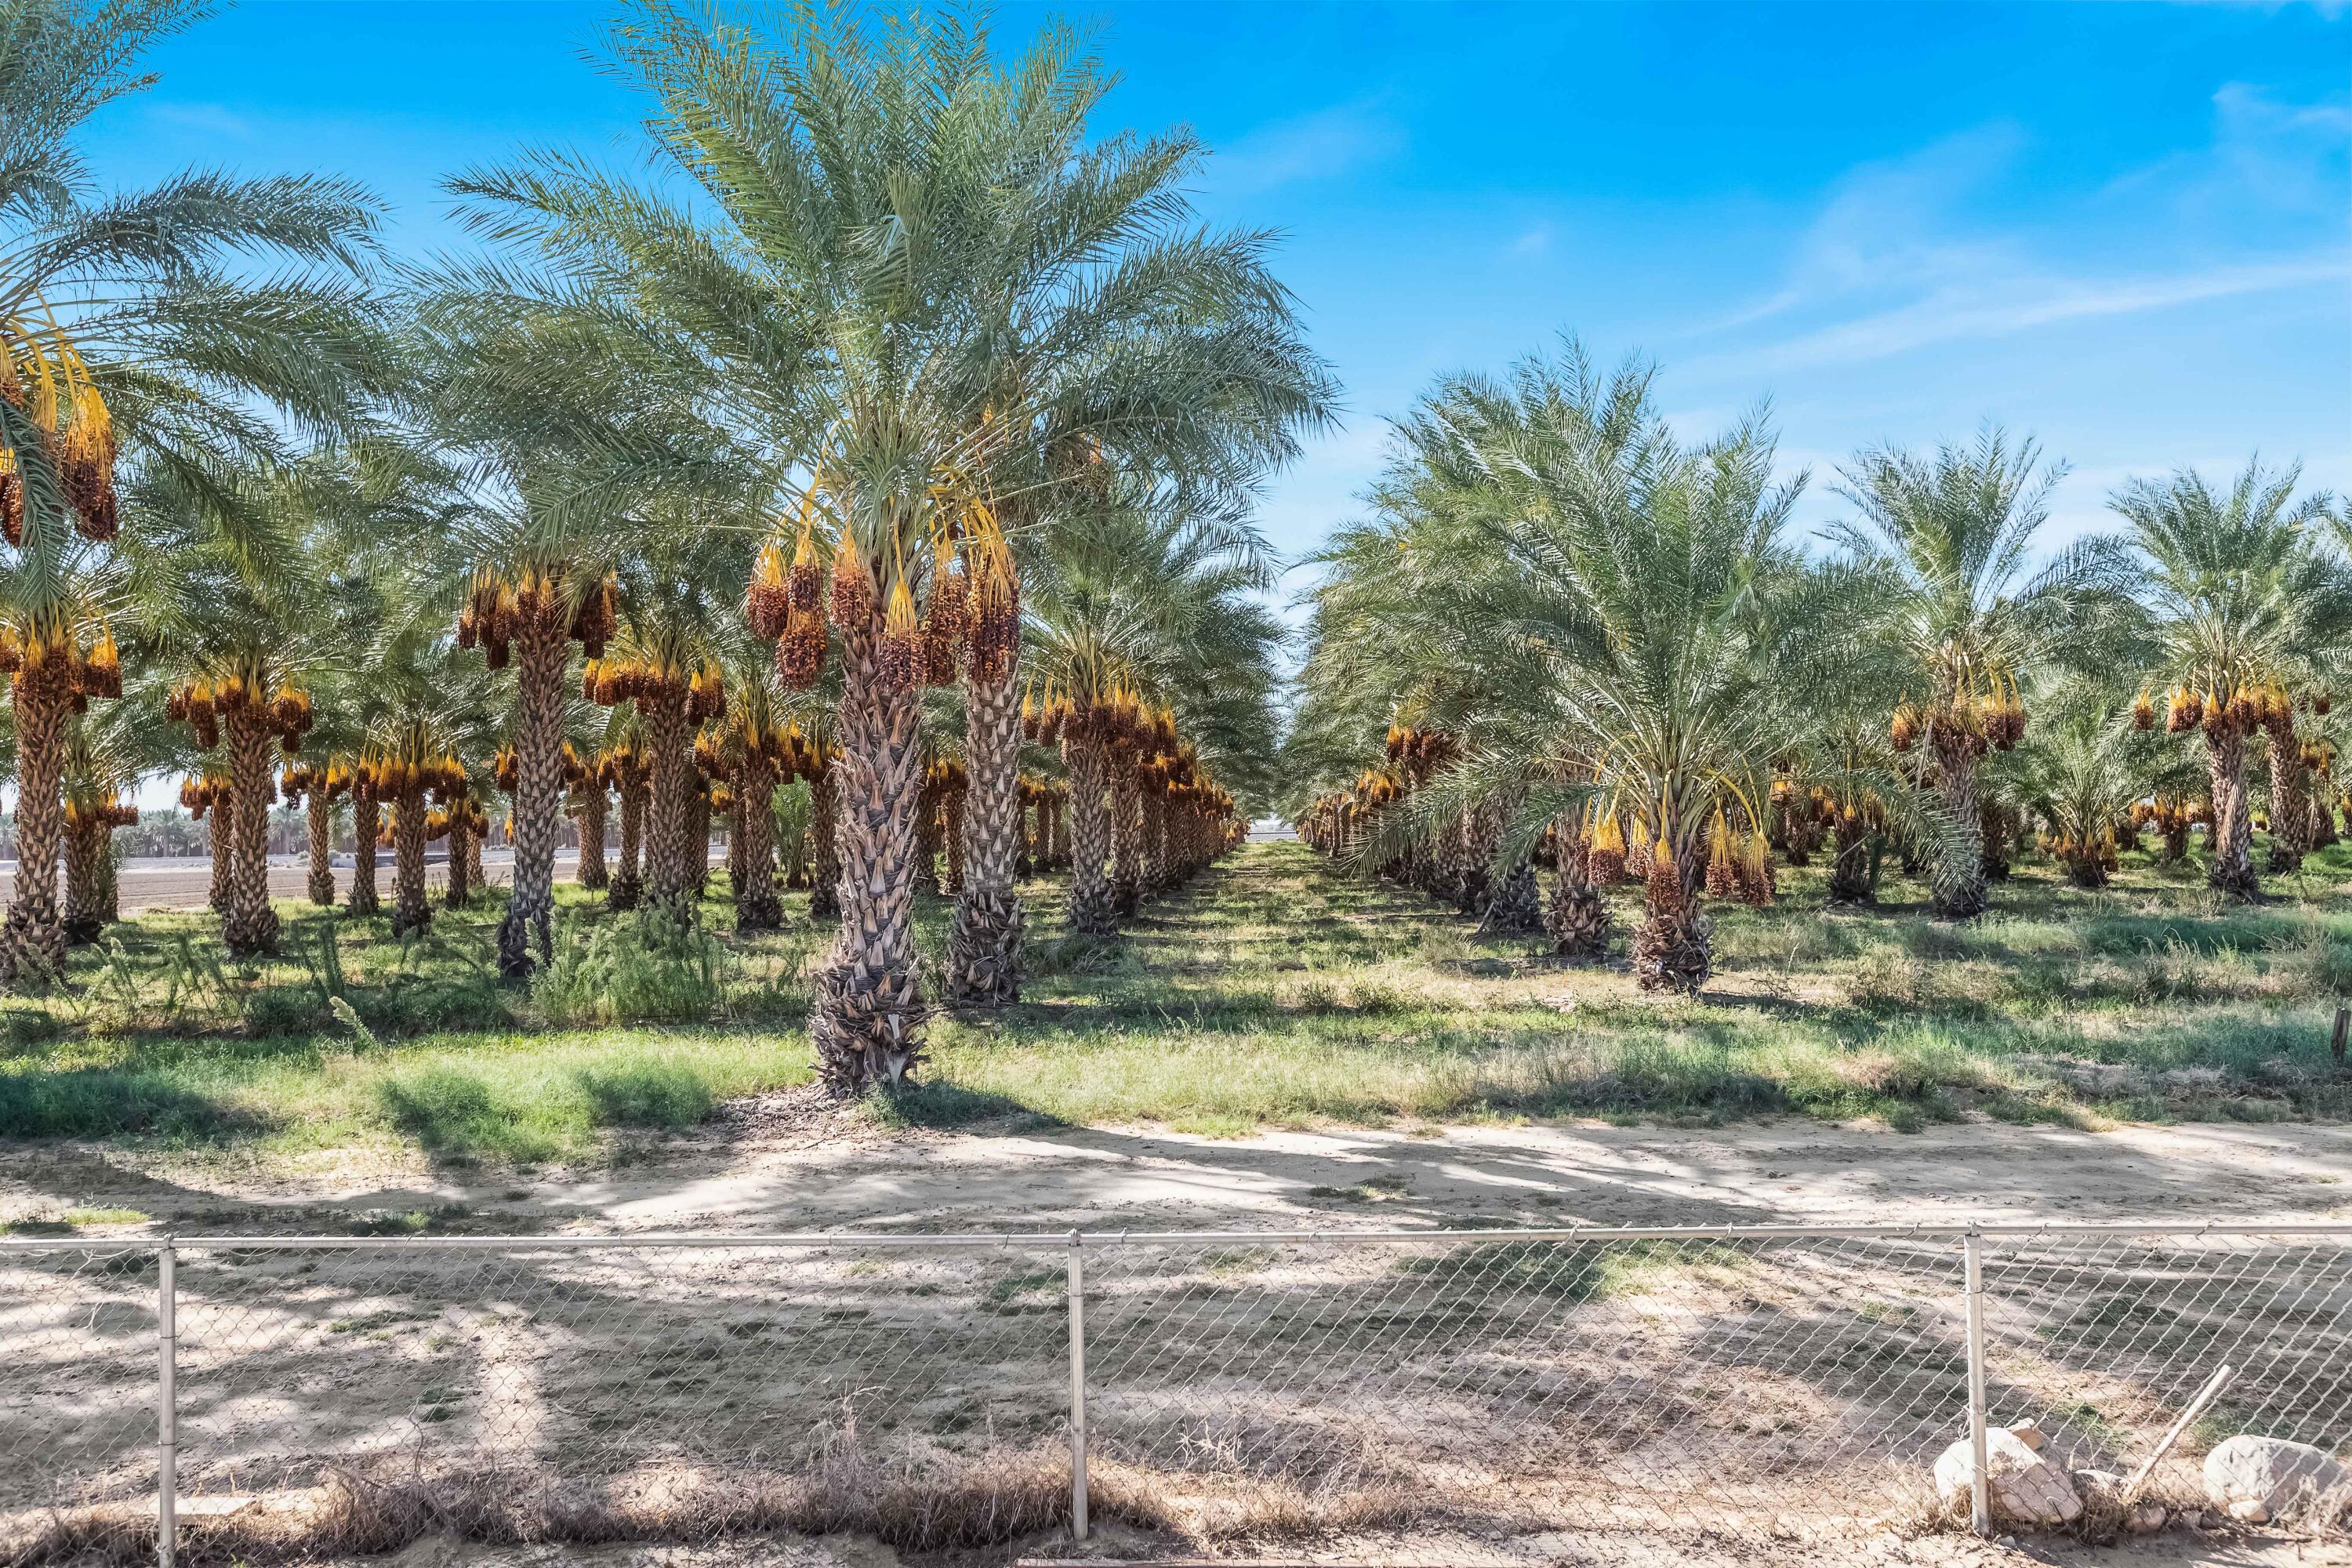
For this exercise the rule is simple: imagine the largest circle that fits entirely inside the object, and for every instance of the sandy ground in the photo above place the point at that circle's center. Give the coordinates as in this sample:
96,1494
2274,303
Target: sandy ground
783,1164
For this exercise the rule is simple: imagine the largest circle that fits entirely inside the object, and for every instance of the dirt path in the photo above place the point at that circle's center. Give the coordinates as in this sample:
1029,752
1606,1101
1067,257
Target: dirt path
783,1166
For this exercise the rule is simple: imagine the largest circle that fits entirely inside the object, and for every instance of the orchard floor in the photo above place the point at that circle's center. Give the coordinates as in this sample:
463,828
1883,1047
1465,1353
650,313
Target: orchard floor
1273,1040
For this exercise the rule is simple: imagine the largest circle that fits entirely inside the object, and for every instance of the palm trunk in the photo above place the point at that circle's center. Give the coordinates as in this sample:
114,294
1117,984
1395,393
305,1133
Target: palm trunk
669,879
867,1022
757,906
2290,823
36,937
220,838
628,886
1517,905
985,953
539,654
1094,910
411,910
474,861
735,813
321,824
694,848
1956,885
1578,917
367,822
1126,836
1851,880
1159,869
1674,950
86,848
457,890
2232,872
594,876
951,840
250,926
825,847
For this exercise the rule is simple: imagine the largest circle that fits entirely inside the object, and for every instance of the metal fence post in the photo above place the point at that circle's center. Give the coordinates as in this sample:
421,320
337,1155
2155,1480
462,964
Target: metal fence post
167,1423
1981,1483
1078,1388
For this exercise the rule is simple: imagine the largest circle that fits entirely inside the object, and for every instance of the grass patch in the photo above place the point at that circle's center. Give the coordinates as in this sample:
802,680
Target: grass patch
1273,993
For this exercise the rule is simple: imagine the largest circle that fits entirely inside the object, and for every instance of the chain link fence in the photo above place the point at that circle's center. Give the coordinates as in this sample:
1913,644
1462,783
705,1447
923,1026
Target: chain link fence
1505,1397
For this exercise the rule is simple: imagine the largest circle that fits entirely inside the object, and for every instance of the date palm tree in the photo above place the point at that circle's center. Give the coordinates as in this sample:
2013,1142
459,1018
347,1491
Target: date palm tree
1950,538
877,221
2246,607
135,331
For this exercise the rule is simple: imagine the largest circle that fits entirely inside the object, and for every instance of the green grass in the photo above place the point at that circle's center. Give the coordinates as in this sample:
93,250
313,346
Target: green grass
1272,993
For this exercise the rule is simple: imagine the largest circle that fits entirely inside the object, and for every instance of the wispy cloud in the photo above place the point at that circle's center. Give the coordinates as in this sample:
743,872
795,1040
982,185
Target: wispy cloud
1891,263
2019,305
1322,145
209,119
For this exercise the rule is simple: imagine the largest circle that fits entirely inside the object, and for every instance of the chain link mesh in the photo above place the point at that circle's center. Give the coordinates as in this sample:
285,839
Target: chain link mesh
1465,1398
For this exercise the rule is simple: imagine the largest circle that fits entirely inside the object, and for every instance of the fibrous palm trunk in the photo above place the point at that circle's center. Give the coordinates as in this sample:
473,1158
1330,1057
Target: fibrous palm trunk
735,843
669,874
594,875
321,824
250,926
2232,872
695,852
824,848
868,1021
1094,910
628,886
539,654
1578,916
1518,904
2290,820
1126,836
411,910
1849,879
456,888
367,822
951,840
1957,887
1159,871
88,851
985,953
220,838
36,937
757,905
1674,949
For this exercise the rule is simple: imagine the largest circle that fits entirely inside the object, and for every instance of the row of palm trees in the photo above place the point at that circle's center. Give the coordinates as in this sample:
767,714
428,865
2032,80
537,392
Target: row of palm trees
895,428
1567,636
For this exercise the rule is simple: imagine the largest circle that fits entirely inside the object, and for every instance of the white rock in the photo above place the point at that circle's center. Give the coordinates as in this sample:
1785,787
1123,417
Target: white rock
2026,1488
2257,1478
2146,1517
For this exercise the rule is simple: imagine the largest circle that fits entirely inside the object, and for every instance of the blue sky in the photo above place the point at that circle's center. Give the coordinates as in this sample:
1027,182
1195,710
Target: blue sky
2126,229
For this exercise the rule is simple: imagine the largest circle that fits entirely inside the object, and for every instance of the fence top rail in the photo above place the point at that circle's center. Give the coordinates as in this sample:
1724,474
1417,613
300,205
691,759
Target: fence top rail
864,1240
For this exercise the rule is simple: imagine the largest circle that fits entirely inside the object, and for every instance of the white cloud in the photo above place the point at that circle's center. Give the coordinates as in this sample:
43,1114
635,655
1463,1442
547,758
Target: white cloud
1888,265
2019,304
1322,145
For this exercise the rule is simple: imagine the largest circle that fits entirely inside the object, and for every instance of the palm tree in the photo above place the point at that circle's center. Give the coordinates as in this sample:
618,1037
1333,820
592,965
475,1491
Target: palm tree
134,331
840,296
2244,606
1609,623
1951,539
2081,775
